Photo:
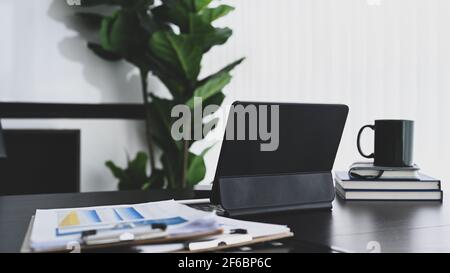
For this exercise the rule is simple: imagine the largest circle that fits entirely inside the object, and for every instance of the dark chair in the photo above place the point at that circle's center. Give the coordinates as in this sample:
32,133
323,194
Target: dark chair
40,161
48,161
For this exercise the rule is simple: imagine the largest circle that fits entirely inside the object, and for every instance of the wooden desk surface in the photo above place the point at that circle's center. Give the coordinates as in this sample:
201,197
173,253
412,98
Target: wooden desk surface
395,226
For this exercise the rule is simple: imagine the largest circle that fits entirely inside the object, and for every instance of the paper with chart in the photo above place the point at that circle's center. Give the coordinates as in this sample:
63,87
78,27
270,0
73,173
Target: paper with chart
54,228
77,220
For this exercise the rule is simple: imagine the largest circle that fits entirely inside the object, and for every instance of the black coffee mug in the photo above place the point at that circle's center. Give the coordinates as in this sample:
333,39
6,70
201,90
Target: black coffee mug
393,143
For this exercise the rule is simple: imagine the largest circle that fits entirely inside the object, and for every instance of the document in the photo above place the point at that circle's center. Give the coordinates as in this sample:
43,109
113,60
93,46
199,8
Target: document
56,228
255,232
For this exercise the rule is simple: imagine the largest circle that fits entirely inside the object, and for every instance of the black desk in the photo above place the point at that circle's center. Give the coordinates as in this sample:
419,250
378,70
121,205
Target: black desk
397,226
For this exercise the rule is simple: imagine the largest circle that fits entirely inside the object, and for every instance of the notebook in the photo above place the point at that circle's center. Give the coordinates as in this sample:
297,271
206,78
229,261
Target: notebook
424,182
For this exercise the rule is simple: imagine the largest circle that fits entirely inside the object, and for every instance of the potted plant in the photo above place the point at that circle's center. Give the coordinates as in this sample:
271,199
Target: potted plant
168,40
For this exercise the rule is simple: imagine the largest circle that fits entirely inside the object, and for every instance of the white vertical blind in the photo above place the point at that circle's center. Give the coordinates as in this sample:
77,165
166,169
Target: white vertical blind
383,58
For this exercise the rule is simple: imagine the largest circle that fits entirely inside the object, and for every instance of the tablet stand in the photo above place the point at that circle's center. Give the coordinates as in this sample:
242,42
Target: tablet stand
272,193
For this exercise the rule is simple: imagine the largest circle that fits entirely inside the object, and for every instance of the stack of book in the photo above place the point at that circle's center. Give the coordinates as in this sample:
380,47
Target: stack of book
364,181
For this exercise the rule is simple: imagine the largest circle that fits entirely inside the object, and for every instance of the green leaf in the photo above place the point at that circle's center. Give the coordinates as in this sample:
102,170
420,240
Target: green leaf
172,79
116,171
217,37
138,166
196,171
178,50
102,53
196,25
105,31
216,99
197,5
111,33
147,22
172,14
210,88
195,21
123,34
134,176
204,34
156,180
227,68
196,168
211,14
117,37
181,13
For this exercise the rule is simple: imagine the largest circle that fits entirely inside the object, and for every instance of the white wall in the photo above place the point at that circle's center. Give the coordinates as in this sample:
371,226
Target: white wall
385,59
44,59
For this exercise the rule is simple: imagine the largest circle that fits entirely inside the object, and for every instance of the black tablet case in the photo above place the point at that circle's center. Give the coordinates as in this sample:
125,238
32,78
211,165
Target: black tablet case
295,176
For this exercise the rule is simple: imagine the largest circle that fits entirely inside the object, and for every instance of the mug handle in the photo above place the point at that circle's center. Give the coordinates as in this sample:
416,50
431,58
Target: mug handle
372,155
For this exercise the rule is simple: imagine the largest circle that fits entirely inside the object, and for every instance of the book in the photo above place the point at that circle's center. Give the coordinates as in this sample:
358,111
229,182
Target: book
380,195
424,182
370,171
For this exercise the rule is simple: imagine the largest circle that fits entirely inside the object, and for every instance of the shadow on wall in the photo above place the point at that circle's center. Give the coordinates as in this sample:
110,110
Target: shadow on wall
117,79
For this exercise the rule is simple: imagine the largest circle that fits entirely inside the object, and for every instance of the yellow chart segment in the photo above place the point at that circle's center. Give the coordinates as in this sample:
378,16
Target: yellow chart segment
71,219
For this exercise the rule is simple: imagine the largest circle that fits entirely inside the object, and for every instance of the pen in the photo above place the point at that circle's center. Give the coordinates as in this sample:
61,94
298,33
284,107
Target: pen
238,231
217,242
122,234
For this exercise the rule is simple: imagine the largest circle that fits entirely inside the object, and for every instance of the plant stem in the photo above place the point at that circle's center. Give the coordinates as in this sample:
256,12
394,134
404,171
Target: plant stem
148,132
185,163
